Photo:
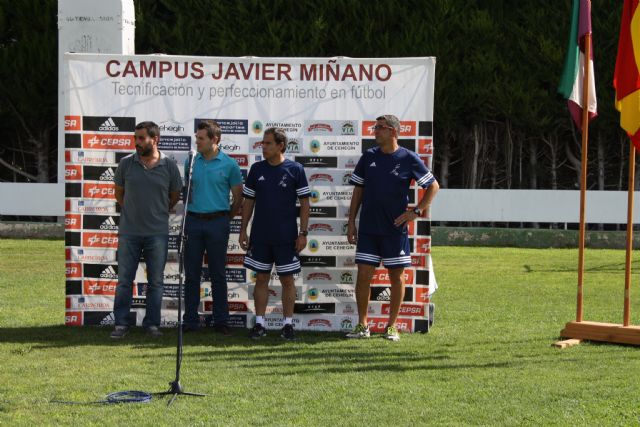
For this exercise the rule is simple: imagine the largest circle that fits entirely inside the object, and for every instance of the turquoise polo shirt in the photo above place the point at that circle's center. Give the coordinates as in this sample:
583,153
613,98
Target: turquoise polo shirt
211,183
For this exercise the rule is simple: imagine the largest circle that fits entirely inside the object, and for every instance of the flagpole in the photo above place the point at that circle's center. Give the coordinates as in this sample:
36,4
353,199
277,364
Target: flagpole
627,266
583,174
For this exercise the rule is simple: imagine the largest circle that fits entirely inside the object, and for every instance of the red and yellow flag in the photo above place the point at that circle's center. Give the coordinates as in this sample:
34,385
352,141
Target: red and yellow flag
626,79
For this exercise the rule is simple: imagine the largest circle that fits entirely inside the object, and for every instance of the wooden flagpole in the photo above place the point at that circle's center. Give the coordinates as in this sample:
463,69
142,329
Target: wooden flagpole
627,266
583,174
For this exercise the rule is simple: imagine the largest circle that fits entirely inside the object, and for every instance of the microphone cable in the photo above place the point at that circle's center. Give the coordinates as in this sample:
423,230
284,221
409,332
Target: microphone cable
129,396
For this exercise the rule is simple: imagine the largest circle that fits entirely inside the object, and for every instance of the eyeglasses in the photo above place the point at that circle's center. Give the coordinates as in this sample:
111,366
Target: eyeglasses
380,127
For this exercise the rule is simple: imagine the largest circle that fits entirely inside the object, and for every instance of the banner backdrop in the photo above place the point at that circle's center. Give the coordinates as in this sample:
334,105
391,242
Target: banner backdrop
328,108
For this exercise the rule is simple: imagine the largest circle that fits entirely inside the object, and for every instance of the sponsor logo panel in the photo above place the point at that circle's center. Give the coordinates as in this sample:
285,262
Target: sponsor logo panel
381,277
72,238
73,318
96,206
99,173
229,126
99,191
378,324
72,140
101,271
383,293
72,221
425,146
331,127
335,245
241,159
93,303
406,310
425,128
73,189
73,270
423,245
174,143
106,318
318,261
100,240
314,308
72,123
317,162
108,124
73,173
91,157
101,222
422,294
108,142
100,287
73,287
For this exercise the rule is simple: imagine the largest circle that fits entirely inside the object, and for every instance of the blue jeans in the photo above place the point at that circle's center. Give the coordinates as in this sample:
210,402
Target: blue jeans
213,236
155,254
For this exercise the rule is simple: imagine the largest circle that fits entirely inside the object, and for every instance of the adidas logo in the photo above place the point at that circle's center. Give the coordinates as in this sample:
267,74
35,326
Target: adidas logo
372,165
107,175
401,252
109,273
109,320
261,178
109,224
384,295
294,259
109,125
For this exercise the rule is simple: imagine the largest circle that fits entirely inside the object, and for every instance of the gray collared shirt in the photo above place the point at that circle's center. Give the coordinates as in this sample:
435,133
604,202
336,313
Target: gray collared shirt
146,194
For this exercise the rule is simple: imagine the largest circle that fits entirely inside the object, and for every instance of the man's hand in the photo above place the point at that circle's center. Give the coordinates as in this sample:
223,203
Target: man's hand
352,232
301,243
404,218
244,240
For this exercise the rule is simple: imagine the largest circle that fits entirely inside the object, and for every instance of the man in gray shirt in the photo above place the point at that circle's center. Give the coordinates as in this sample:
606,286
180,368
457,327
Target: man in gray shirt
147,185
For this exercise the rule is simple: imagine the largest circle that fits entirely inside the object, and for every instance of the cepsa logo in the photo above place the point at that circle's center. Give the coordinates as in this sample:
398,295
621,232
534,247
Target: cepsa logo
378,324
99,191
238,306
73,270
108,142
99,287
100,240
425,146
406,309
423,246
407,128
422,294
72,123
381,277
235,259
418,261
73,172
72,222
73,318
241,159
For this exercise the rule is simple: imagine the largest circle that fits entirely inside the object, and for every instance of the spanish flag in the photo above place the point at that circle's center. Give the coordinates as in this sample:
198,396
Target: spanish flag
626,79
572,80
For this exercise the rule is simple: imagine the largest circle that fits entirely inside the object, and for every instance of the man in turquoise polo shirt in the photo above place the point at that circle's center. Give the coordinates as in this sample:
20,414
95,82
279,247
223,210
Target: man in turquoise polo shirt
209,213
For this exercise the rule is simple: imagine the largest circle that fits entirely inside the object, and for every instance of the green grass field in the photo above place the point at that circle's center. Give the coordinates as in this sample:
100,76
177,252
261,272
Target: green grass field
488,360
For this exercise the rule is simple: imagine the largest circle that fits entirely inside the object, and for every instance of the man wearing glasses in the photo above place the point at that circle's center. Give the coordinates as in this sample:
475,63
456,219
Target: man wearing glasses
207,224
272,188
382,178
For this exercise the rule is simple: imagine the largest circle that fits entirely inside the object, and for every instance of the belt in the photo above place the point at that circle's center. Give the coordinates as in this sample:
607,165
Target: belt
209,215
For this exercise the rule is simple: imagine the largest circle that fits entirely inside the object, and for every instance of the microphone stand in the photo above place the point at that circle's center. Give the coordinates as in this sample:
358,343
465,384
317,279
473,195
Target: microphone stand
175,388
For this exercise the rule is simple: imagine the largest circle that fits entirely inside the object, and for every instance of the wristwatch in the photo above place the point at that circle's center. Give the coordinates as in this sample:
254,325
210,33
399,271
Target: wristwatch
417,211
304,233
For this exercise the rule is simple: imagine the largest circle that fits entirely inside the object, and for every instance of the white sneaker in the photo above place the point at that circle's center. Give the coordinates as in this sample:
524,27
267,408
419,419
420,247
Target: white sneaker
360,331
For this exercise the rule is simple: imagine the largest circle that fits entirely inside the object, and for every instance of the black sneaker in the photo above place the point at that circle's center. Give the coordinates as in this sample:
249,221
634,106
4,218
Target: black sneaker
257,332
119,332
287,333
222,329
